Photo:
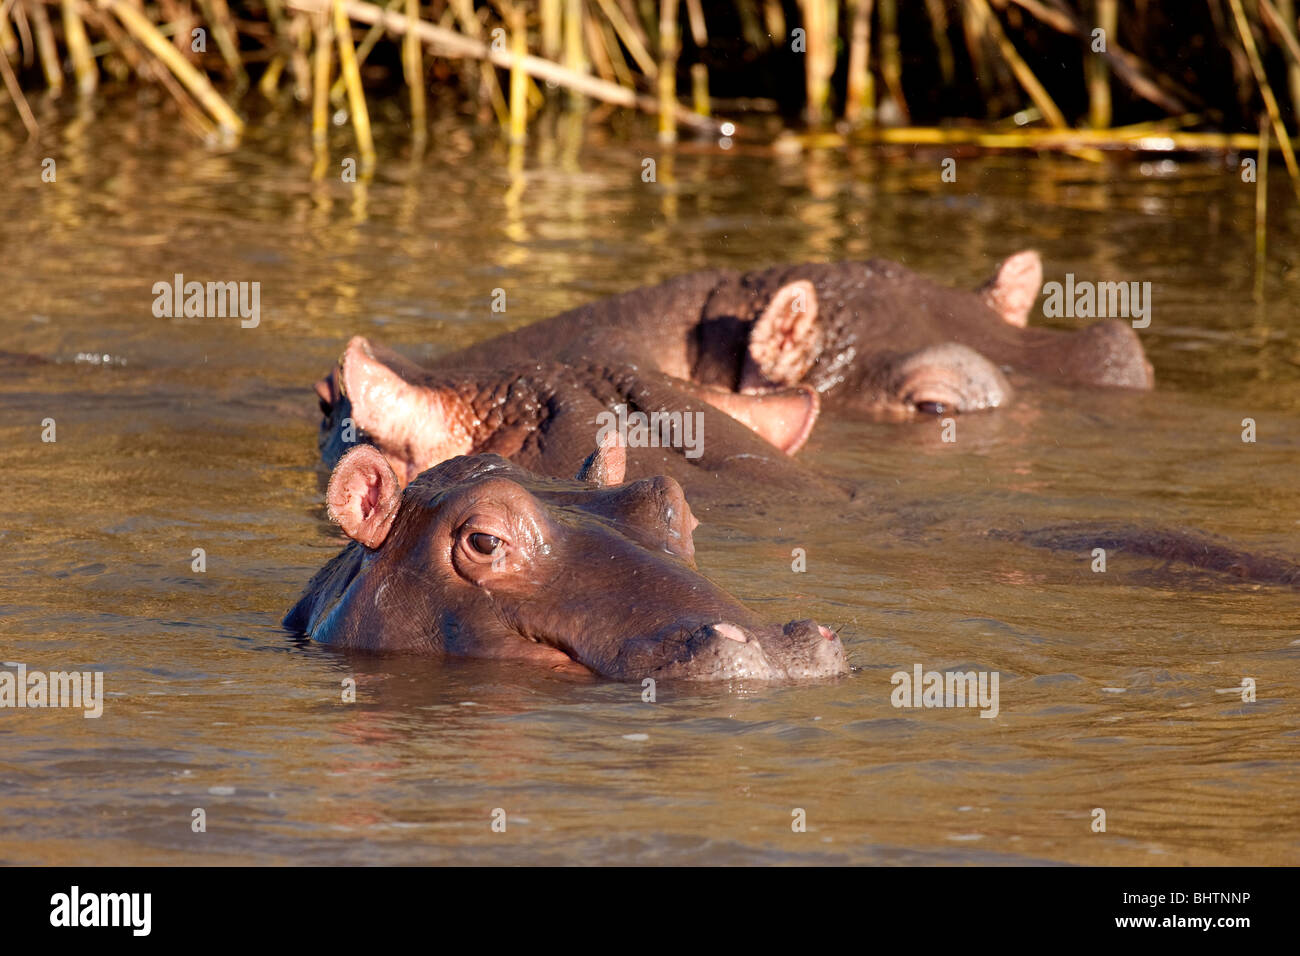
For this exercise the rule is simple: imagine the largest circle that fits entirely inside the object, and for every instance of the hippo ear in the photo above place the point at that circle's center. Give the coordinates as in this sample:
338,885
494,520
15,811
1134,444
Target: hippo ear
782,417
1014,288
607,465
783,341
416,425
363,495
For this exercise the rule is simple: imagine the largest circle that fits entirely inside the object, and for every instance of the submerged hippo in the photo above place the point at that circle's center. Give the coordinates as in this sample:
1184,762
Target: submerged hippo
546,417
478,557
873,337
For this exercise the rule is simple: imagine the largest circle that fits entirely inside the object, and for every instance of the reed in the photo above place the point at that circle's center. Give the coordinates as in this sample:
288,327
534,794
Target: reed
1261,208
668,48
356,95
967,61
1266,90
1099,104
518,78
413,68
860,96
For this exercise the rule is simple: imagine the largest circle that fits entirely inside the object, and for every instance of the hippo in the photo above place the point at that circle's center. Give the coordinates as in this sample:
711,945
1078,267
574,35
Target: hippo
872,338
480,557
547,416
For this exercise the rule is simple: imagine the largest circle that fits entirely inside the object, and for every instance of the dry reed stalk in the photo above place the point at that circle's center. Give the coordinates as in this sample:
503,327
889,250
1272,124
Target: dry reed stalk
774,19
1261,208
275,13
119,43
518,78
630,36
668,49
574,57
356,94
300,35
8,41
269,83
321,63
891,63
938,13
16,94
1284,23
614,51
819,57
1024,75
699,72
600,58
191,113
976,37
463,10
1240,63
1128,67
860,94
1117,138
1266,91
339,88
1099,105
181,15
74,35
148,36
17,11
413,67
643,15
217,13
45,46
552,15
453,45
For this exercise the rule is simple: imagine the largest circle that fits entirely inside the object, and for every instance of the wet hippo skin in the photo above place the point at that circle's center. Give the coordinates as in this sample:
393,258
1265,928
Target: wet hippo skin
481,558
546,417
871,337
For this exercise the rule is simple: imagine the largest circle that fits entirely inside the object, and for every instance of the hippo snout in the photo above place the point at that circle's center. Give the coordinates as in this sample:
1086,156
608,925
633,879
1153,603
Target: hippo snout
810,649
726,651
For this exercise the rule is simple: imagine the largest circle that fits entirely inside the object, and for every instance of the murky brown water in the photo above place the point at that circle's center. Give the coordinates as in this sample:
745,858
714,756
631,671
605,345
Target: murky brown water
200,434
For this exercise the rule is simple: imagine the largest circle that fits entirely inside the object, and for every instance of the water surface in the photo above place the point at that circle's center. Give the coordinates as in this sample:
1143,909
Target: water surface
1117,689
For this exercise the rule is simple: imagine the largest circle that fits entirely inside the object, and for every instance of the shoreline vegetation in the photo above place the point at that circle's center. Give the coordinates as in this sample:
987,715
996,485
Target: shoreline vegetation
1079,76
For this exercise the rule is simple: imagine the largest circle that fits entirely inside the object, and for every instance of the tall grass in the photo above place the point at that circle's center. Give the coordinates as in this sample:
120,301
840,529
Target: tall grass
1070,74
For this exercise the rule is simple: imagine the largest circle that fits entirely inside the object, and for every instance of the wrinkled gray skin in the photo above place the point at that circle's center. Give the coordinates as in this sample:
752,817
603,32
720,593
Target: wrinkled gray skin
871,337
479,557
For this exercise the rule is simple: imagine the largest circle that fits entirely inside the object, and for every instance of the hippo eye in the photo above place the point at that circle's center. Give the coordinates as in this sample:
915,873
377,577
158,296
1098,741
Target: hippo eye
484,543
931,408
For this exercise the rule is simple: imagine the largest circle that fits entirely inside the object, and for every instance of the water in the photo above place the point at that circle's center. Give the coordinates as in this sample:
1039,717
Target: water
1118,691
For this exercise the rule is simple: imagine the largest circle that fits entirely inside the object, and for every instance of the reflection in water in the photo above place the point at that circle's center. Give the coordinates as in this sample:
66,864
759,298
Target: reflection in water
200,434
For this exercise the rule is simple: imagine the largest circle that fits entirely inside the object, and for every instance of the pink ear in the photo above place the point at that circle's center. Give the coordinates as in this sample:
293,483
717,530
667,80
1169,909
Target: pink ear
783,341
363,495
1014,288
783,417
607,465
416,424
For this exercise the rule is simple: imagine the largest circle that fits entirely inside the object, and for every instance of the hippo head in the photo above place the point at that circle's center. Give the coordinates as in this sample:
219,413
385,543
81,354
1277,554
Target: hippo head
481,558
419,418
881,338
